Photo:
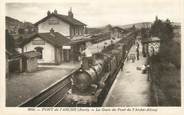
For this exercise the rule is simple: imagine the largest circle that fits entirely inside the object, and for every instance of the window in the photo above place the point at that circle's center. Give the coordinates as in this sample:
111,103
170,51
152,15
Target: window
74,31
78,31
40,50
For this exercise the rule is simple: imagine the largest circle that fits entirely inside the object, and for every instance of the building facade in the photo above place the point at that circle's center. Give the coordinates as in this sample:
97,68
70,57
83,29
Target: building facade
151,46
66,25
50,45
117,32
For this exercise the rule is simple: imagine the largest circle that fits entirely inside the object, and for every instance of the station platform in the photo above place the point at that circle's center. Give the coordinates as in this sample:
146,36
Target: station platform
131,87
22,86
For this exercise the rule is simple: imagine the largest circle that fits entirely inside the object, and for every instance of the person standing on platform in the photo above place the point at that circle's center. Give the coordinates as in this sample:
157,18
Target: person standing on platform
137,50
122,64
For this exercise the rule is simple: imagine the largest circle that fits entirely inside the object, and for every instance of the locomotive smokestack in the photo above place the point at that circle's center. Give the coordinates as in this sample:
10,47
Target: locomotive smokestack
85,63
88,59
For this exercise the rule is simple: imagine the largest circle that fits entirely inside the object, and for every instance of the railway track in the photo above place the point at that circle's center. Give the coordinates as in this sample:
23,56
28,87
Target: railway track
101,97
51,96
56,94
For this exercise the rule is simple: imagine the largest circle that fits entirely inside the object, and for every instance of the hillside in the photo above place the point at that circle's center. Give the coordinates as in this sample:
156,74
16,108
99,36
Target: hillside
15,26
19,30
10,20
137,25
97,30
12,23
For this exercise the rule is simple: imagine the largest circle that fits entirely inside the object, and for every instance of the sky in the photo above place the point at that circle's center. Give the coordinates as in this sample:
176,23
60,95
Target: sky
96,13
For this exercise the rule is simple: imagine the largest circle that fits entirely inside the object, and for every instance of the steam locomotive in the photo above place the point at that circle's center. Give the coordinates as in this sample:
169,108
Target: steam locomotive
91,82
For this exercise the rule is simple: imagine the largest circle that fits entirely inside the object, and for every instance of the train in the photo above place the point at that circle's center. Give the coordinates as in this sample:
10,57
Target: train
91,83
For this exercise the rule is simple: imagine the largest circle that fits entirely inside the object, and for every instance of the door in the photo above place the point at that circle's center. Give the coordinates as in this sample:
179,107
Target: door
66,55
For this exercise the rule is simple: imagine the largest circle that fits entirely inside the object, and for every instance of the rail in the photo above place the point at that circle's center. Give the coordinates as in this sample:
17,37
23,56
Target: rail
51,95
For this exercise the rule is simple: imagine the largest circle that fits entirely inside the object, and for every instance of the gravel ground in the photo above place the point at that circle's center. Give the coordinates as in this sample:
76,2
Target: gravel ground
22,86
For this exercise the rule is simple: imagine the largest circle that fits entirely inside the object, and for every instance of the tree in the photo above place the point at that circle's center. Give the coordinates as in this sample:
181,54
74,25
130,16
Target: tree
168,47
10,43
145,32
21,31
163,30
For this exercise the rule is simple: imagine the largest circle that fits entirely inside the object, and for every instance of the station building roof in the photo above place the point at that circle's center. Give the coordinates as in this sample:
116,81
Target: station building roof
67,19
151,39
54,38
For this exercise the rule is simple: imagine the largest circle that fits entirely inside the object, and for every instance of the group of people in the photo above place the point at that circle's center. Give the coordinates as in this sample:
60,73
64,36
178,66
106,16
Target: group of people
132,56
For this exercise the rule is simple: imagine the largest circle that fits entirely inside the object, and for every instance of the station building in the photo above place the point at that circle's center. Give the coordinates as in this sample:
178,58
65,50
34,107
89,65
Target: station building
55,32
66,25
50,45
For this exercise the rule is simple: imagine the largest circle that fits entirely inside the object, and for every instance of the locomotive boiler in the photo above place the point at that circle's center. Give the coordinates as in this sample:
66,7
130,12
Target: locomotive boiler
92,82
85,77
96,75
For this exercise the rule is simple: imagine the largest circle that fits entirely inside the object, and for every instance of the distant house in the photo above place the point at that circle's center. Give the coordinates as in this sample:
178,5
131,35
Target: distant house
21,62
151,46
29,28
67,25
116,32
53,47
16,61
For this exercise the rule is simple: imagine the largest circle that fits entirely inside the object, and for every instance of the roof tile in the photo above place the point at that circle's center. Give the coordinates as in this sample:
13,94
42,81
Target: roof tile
55,39
65,18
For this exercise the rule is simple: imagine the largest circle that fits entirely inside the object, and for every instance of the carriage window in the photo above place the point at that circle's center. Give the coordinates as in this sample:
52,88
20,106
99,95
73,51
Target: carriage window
40,50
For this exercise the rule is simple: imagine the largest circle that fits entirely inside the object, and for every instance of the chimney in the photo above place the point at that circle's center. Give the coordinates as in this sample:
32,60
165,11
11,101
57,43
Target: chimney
55,11
48,13
156,18
88,61
51,30
85,63
70,14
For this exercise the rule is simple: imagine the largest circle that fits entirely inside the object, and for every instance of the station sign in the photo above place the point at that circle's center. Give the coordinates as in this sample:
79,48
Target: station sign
66,47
